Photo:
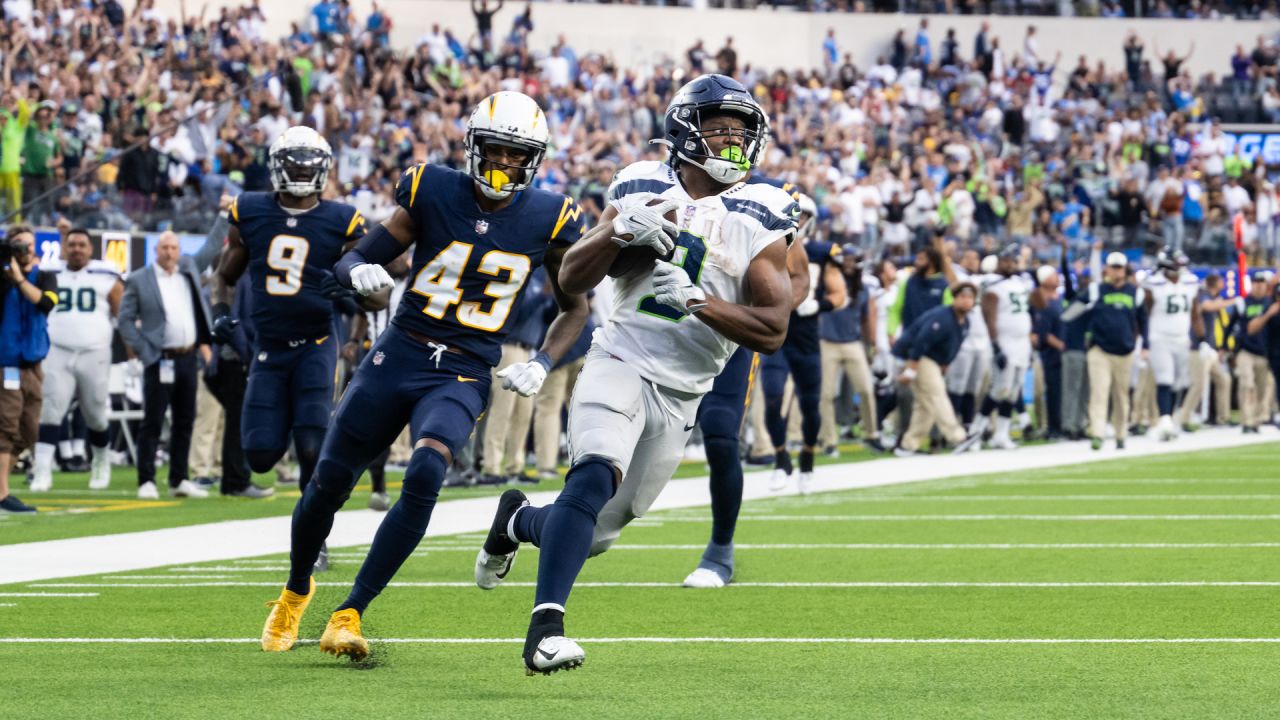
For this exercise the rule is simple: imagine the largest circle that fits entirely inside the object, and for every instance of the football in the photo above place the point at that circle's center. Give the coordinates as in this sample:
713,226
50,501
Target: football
635,260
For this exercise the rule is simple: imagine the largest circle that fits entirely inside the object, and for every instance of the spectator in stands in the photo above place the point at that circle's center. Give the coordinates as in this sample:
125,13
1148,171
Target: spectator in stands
27,294
40,155
164,322
15,115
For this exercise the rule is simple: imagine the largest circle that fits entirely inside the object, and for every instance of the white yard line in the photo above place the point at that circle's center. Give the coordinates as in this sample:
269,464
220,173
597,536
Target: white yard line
229,540
48,594
752,517
677,641
874,546
676,585
1054,498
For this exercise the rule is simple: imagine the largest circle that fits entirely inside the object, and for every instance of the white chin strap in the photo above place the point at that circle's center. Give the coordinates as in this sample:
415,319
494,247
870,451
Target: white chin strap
722,171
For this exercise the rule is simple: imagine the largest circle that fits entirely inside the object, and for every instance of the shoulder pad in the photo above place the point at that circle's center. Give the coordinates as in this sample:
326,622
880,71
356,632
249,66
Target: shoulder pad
649,176
771,206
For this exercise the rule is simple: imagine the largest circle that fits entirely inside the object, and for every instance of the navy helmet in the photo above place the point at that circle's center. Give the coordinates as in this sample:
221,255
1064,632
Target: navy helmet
707,96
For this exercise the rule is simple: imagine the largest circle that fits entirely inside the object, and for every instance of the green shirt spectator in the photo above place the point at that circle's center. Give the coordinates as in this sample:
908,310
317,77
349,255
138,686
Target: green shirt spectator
12,136
40,147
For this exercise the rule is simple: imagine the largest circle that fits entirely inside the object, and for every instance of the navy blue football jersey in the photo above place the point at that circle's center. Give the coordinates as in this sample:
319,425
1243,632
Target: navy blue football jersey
289,255
470,267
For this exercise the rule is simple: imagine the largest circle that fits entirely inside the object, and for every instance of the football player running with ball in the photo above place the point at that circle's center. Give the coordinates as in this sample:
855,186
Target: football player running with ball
670,335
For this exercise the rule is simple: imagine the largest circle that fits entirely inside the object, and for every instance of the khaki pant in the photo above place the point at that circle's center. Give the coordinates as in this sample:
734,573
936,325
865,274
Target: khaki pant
508,425
847,360
1254,387
761,445
1144,411
932,406
1109,379
20,411
548,404
206,436
1206,368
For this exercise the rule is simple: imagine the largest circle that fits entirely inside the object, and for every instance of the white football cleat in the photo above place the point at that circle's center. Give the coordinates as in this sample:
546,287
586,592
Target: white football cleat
553,654
379,501
704,579
491,570
147,491
805,483
779,481
41,481
188,489
100,472
1003,442
1166,430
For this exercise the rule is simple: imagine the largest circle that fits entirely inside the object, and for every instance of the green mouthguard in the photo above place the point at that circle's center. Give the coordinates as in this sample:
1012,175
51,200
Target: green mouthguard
734,154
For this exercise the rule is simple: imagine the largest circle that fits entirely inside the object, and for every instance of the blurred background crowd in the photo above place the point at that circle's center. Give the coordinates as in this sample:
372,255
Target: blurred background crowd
132,119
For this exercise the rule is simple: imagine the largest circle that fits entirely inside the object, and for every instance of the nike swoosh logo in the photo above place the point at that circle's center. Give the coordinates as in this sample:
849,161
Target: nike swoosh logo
547,655
463,379
505,569
690,427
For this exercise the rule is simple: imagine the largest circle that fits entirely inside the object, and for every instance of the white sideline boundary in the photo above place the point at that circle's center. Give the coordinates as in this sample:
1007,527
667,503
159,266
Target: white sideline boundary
676,641
884,584
229,540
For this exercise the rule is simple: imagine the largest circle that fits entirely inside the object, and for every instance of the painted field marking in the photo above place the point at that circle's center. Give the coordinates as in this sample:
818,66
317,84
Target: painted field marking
964,518
169,577
1044,498
832,584
48,594
678,641
876,546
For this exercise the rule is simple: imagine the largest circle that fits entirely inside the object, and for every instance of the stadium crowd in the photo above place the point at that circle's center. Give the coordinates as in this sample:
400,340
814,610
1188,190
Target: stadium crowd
946,151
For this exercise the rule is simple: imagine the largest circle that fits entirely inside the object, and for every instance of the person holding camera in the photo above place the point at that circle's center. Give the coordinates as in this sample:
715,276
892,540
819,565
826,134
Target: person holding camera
27,294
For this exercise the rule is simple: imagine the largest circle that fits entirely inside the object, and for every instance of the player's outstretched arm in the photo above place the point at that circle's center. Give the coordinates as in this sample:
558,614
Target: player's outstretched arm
567,325
762,325
585,264
361,268
231,265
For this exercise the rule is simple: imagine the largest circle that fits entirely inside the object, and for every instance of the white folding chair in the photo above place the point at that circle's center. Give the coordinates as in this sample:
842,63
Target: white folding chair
117,379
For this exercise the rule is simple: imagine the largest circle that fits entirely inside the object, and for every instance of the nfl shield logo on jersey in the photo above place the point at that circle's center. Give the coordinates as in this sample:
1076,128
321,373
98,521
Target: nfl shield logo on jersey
377,358
482,227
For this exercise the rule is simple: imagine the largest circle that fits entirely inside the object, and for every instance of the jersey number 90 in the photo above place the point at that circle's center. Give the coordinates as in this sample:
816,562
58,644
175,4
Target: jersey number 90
438,282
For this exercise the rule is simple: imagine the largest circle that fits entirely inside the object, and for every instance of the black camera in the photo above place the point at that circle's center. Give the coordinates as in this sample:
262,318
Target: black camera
10,250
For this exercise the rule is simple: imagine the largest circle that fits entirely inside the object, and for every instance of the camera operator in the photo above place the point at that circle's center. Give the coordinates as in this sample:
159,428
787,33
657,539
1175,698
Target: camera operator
27,294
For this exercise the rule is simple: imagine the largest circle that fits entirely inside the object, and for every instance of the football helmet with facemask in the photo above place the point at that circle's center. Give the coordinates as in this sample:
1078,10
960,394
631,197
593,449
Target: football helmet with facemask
299,162
508,119
709,96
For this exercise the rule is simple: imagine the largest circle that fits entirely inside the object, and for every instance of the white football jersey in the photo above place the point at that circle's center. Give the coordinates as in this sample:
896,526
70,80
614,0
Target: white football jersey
977,338
719,237
82,318
1013,316
1171,303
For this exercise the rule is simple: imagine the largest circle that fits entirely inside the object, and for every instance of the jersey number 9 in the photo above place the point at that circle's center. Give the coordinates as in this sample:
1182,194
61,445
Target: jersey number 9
286,255
438,281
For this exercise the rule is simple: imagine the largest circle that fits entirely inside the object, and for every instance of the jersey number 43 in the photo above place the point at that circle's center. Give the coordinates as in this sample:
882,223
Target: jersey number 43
439,280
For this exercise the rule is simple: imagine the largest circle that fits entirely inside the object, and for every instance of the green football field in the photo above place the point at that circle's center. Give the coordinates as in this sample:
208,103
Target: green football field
1147,587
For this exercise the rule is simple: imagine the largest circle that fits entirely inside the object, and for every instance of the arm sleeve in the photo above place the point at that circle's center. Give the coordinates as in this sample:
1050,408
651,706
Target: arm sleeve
410,187
47,284
356,228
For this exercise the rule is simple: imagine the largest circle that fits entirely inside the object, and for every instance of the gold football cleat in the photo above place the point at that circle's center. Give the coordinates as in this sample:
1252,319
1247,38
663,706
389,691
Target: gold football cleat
281,631
342,636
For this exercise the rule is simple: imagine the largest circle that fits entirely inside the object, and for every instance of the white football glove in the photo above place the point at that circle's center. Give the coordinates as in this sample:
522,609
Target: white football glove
807,308
672,286
646,226
525,378
134,368
368,278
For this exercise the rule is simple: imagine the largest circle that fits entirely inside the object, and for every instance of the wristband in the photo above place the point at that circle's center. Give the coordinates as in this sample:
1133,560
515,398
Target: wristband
543,359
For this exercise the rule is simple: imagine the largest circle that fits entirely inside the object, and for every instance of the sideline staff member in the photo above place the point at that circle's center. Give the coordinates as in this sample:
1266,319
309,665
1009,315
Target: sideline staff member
27,294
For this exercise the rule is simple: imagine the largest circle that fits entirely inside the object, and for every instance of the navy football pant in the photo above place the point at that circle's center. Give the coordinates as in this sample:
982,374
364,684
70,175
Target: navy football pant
290,394
396,384
805,369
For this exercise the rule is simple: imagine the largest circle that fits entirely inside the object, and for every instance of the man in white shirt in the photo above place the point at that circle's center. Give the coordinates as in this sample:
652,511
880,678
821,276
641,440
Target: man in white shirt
164,322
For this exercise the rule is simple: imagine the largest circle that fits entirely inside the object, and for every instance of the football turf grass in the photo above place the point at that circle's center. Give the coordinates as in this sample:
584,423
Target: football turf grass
1178,548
